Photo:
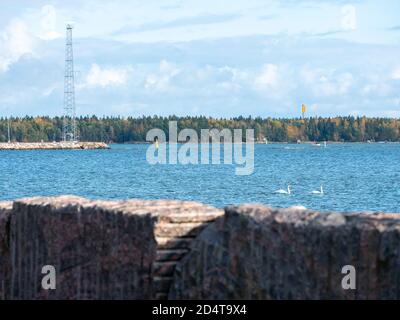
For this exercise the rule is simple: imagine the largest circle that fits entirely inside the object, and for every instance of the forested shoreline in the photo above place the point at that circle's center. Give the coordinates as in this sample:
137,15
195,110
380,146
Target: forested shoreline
130,129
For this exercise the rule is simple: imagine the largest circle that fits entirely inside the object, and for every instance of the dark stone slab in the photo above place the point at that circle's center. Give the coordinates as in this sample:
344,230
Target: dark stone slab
255,252
100,250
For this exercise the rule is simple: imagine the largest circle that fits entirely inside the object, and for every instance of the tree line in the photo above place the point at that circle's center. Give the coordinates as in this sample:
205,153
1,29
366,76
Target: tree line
130,129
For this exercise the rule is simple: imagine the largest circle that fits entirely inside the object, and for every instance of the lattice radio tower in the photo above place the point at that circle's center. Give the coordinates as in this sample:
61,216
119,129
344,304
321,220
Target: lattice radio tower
69,121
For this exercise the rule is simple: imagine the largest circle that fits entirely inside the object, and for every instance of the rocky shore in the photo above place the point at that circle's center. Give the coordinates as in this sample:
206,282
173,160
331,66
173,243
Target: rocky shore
52,145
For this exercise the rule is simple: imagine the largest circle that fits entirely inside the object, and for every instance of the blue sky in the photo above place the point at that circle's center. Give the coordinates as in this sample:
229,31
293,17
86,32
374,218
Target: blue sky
216,58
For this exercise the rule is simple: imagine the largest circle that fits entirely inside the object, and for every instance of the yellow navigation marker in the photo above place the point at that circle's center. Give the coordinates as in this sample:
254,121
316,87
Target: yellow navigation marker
303,109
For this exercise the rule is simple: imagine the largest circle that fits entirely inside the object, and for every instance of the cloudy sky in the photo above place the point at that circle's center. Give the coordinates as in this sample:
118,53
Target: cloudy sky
212,57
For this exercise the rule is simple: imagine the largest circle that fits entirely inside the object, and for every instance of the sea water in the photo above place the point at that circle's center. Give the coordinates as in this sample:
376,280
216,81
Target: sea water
354,176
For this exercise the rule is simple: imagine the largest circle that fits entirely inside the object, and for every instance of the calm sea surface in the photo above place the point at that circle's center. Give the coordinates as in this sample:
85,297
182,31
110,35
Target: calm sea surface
355,176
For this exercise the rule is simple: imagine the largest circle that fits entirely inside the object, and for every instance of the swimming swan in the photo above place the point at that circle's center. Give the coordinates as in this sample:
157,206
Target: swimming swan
282,191
321,191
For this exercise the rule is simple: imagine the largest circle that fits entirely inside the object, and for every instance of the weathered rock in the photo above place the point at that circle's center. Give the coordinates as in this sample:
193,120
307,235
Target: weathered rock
141,249
5,262
100,249
254,252
175,230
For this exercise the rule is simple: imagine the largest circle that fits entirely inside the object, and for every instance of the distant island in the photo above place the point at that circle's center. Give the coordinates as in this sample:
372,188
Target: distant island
134,130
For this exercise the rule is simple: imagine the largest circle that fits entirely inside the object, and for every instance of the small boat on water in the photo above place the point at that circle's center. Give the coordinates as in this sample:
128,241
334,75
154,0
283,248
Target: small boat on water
324,144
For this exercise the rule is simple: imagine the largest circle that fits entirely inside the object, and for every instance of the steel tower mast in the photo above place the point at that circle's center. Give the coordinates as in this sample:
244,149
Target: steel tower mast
69,121
8,130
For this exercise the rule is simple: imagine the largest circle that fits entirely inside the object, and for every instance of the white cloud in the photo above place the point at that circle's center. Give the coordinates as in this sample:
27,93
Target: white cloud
104,77
268,78
21,36
349,17
396,74
161,80
326,82
15,42
376,89
48,23
49,90
274,84
342,83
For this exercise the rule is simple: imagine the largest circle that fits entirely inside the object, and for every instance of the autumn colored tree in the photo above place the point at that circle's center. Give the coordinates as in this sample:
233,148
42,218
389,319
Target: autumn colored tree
125,130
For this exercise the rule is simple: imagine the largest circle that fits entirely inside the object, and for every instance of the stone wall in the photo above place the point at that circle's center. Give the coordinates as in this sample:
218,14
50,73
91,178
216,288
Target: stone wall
175,231
254,252
140,249
100,249
5,262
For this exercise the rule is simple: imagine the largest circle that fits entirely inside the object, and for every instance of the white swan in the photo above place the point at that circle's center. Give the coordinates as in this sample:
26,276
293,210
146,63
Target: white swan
321,191
282,191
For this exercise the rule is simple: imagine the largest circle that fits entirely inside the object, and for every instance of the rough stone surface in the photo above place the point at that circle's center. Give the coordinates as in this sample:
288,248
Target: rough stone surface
140,249
100,249
254,252
5,262
175,230
52,145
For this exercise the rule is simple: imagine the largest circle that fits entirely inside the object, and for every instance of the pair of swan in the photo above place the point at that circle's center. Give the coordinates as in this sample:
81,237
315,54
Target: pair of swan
289,191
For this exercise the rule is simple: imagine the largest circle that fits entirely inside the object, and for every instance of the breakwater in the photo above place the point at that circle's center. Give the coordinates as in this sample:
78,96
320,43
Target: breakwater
53,145
140,249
